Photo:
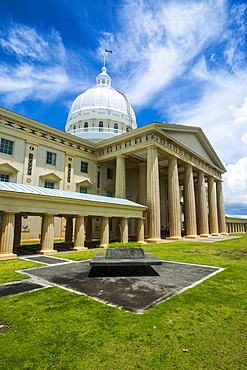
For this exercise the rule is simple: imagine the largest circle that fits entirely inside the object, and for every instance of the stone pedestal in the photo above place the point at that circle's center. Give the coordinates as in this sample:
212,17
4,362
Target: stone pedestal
79,234
7,236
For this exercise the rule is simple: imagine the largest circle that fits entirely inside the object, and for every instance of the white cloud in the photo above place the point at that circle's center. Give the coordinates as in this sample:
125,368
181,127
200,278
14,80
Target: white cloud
40,67
239,114
158,43
25,42
235,186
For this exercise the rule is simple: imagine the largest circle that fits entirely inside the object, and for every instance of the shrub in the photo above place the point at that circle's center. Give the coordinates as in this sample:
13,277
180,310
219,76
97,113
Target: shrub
125,245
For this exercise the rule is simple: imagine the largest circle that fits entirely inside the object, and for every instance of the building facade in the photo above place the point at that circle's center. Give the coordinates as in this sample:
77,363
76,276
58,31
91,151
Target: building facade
171,169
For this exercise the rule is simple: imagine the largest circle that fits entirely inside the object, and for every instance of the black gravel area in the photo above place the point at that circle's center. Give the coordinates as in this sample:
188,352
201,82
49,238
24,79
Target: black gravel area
17,288
133,289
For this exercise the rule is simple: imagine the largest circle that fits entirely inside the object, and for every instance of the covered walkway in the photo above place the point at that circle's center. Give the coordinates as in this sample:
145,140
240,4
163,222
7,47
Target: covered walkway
18,200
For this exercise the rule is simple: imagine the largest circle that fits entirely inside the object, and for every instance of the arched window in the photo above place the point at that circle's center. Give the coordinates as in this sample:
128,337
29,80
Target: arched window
74,127
85,126
115,127
101,125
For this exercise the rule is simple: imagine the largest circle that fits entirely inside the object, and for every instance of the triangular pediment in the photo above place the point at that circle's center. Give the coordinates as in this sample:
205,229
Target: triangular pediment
85,184
194,139
50,177
7,168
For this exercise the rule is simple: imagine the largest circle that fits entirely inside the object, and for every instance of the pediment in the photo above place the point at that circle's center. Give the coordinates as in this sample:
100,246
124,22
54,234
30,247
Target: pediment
195,140
50,177
7,168
85,184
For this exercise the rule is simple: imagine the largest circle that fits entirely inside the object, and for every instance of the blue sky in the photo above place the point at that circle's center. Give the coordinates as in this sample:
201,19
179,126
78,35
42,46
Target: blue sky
179,61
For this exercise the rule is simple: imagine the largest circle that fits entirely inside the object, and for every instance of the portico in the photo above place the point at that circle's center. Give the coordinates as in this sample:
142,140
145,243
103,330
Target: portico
17,200
192,201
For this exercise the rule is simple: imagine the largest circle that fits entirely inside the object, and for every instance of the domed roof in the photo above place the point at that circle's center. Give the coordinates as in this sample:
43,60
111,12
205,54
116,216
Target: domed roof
103,96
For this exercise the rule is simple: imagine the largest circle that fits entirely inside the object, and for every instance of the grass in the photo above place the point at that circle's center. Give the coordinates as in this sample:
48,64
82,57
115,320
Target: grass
202,328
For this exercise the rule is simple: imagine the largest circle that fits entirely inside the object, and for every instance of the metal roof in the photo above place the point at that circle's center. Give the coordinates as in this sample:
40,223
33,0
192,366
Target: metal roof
36,190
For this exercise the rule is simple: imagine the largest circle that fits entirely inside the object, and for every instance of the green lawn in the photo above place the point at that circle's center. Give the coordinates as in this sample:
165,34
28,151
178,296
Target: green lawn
202,328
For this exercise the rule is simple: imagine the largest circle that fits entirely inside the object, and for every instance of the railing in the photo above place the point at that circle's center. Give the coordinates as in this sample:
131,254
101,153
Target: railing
96,129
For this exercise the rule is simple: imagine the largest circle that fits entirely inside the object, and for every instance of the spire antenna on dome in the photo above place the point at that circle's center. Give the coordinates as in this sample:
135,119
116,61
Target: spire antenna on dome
106,51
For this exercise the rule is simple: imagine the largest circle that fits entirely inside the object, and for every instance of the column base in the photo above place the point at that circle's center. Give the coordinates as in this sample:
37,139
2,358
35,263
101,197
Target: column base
154,240
174,238
223,234
204,235
79,249
214,234
141,242
192,236
103,246
44,251
7,256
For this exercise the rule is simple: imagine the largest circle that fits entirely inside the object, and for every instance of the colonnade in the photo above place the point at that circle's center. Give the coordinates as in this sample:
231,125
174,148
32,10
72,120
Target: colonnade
236,227
203,211
11,232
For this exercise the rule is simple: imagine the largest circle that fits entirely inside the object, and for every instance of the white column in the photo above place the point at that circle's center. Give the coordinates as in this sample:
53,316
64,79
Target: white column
47,237
7,236
220,208
69,230
202,205
124,229
120,187
140,230
213,217
17,232
174,200
104,232
89,229
189,204
142,192
153,195
79,234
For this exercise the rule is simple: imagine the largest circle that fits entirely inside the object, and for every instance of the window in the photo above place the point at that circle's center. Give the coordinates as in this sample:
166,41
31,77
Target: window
6,146
110,194
110,173
51,158
4,177
115,127
101,125
83,190
49,184
84,167
85,126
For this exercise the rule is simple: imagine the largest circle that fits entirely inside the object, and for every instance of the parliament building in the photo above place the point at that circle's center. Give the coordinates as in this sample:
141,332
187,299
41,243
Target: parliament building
105,177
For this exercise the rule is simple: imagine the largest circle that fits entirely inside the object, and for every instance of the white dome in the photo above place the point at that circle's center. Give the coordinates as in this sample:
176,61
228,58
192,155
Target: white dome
101,104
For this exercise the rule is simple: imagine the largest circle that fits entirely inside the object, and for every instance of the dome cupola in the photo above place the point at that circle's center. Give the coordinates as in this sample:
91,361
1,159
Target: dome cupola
101,112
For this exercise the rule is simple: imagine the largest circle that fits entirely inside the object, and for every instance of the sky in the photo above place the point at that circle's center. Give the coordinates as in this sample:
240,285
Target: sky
180,61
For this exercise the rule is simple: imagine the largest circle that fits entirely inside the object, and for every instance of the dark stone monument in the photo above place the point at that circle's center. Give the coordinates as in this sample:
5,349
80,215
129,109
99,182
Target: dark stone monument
124,257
